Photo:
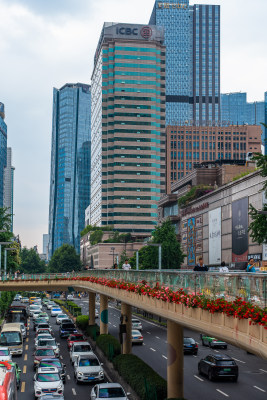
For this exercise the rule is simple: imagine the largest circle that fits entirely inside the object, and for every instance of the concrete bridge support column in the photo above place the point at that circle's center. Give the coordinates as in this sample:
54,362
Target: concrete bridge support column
126,318
175,369
103,315
91,308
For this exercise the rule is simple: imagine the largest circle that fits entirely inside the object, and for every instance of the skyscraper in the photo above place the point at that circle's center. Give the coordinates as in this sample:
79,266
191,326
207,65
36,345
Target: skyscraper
9,185
128,127
192,40
3,151
70,164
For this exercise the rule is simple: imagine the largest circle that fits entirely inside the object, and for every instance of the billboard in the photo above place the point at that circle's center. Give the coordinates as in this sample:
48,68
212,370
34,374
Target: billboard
240,230
215,236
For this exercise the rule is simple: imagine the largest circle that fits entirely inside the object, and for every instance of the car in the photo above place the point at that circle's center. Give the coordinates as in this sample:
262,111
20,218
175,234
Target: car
41,353
50,305
56,295
42,336
17,297
60,317
75,337
55,311
108,391
17,371
66,328
5,354
70,297
137,337
136,324
96,313
66,320
38,321
54,362
43,330
190,346
52,396
48,342
23,330
34,307
47,380
43,325
79,348
87,368
212,342
44,315
218,366
24,300
35,315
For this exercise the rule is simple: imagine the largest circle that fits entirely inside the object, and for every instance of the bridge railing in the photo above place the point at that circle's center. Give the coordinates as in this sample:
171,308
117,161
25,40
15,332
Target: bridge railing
250,286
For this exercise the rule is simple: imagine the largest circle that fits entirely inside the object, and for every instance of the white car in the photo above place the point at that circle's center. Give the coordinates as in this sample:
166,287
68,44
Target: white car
35,314
47,380
108,391
80,348
23,330
60,317
34,307
137,337
5,354
96,313
50,305
88,369
51,343
136,324
55,311
24,300
42,336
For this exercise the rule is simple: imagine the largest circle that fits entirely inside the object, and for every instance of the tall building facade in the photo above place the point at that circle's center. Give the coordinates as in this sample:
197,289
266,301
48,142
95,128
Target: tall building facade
3,151
70,165
186,146
235,109
128,127
9,186
45,245
192,39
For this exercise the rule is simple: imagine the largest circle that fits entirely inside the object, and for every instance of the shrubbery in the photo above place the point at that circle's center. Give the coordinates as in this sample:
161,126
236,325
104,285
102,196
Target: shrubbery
109,345
139,376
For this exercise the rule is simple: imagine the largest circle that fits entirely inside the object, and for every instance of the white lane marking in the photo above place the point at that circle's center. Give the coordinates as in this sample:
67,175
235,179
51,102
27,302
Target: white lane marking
166,358
262,390
115,326
216,351
74,391
166,341
226,395
157,337
61,357
152,349
149,333
236,359
68,377
200,379
110,323
194,356
263,370
144,344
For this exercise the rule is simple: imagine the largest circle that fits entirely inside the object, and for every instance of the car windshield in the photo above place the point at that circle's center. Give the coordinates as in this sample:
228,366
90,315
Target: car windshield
110,393
81,348
50,363
89,362
11,338
51,377
46,342
62,316
45,352
43,326
77,338
68,326
189,341
135,333
225,362
135,321
3,352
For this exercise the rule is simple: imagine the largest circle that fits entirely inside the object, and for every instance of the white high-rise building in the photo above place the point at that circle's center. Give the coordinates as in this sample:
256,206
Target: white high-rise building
45,245
9,185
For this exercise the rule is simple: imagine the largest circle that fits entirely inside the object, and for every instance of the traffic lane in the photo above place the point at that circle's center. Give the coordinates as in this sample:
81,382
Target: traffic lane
252,380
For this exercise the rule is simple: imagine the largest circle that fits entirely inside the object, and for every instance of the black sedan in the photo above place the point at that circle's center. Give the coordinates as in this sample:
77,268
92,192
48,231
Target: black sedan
190,346
218,366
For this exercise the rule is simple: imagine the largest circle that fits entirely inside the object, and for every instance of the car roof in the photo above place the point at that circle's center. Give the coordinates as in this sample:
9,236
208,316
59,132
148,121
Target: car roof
109,385
91,355
47,369
51,359
81,342
4,348
221,357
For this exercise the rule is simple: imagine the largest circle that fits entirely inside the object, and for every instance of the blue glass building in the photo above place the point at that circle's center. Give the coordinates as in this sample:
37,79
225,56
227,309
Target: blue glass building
70,165
236,110
3,151
192,40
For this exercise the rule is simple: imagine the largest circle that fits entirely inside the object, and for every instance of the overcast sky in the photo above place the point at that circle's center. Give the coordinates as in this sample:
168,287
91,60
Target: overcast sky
46,43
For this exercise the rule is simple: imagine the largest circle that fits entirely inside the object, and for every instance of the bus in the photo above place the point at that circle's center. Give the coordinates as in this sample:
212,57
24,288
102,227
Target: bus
17,314
11,337
8,383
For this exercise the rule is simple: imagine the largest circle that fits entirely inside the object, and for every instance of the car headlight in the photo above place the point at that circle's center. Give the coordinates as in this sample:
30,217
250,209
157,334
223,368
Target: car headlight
80,373
101,373
36,362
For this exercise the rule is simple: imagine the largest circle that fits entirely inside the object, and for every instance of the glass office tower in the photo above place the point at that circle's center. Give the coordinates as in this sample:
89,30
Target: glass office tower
70,164
3,151
192,40
9,185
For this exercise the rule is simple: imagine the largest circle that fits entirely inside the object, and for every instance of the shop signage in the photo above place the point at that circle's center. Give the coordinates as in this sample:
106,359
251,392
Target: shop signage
127,31
192,210
256,257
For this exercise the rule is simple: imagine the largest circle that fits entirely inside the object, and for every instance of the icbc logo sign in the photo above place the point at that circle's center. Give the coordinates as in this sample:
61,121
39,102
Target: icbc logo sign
146,32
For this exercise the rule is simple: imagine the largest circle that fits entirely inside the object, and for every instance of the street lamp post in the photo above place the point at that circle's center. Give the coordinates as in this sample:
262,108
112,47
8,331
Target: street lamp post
2,243
5,260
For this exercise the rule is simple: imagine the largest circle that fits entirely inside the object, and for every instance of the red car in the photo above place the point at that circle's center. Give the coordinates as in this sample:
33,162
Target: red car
75,337
42,352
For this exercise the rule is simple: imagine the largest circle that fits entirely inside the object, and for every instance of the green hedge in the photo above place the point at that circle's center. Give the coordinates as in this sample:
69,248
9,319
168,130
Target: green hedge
92,331
109,345
82,322
141,377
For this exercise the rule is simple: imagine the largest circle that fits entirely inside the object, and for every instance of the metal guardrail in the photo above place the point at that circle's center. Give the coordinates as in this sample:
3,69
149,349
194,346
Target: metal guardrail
250,286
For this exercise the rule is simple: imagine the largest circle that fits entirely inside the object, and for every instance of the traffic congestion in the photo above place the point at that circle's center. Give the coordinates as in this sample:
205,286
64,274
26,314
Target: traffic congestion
44,355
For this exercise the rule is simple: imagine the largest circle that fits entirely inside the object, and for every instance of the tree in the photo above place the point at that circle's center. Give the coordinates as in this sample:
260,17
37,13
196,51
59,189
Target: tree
172,256
13,257
65,259
257,227
31,262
